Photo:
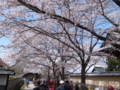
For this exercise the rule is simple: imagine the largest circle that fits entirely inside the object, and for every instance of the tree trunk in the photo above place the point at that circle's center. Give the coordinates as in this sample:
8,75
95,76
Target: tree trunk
83,77
63,73
55,78
48,77
57,81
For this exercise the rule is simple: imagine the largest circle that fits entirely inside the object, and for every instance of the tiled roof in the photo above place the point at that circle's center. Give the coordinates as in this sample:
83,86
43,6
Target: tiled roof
2,63
98,69
110,73
7,72
114,47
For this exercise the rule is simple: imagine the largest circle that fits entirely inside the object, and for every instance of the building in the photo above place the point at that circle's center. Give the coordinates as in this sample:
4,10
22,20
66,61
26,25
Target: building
4,78
112,48
2,64
31,76
98,69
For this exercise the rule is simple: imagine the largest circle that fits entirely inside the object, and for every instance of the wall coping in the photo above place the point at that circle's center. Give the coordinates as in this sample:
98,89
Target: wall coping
109,73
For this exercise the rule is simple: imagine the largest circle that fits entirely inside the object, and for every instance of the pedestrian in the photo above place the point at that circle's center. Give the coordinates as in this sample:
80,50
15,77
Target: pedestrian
50,87
71,85
110,88
77,86
84,87
37,83
27,82
61,86
66,85
97,88
37,80
44,86
33,79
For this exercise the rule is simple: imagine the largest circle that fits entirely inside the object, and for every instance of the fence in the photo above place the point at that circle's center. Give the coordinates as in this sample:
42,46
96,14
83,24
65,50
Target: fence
13,84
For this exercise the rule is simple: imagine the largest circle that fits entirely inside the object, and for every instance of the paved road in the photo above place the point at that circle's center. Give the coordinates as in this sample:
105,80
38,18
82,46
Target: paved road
30,86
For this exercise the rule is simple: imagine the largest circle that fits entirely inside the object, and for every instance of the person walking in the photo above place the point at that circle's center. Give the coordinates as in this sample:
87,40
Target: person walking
97,88
37,85
50,87
27,82
84,87
44,86
110,88
61,86
77,86
71,85
66,85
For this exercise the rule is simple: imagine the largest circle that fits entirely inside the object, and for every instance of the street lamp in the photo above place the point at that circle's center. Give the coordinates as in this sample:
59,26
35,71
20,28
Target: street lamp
4,77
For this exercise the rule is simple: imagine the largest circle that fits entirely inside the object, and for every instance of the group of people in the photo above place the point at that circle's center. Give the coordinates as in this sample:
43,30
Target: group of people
45,85
108,88
50,85
84,87
65,86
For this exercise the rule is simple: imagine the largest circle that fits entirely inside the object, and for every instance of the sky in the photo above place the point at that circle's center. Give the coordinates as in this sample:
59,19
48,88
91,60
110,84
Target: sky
3,41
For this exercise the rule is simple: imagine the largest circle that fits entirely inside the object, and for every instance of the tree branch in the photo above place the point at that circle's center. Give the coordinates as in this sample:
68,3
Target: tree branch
117,2
63,19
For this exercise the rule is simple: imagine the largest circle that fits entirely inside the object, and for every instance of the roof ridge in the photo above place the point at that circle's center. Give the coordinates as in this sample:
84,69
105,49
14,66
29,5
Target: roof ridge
2,63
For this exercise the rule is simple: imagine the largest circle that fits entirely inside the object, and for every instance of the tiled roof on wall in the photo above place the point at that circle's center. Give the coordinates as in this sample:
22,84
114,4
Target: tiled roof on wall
110,73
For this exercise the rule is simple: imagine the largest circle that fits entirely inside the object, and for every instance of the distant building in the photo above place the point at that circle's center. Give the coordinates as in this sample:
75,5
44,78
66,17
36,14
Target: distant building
112,48
31,76
2,64
98,69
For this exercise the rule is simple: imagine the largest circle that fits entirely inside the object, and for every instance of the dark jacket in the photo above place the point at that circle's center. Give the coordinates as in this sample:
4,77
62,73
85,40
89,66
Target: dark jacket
36,88
77,87
67,87
43,87
60,88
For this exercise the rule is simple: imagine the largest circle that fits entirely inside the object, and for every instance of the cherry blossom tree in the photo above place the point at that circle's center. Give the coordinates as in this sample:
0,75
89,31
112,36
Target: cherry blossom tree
44,51
81,25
